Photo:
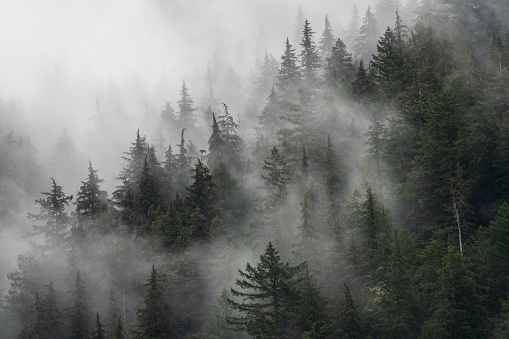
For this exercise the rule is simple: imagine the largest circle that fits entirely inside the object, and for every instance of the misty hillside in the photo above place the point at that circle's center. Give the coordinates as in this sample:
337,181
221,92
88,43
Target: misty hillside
254,169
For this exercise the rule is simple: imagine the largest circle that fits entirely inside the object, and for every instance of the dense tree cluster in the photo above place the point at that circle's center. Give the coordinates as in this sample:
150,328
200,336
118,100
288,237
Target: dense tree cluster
398,228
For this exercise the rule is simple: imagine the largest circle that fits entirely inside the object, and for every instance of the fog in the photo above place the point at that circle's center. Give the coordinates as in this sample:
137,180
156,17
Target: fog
80,78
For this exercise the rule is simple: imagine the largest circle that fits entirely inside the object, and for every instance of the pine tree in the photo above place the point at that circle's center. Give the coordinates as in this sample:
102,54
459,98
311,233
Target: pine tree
365,45
268,296
233,142
154,317
311,306
90,197
331,172
52,214
79,313
326,41
168,114
99,332
306,248
185,115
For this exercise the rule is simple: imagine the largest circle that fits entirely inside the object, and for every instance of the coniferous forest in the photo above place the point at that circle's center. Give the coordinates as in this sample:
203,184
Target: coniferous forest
355,184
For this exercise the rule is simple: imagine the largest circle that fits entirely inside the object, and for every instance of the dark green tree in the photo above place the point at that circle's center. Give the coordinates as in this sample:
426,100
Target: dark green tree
182,178
99,332
289,76
55,220
217,146
146,197
363,83
268,296
309,62
339,64
457,310
119,330
90,198
154,317
79,313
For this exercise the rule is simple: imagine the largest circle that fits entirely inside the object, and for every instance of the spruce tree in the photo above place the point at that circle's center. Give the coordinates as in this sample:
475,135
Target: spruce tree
309,62
268,296
185,115
326,41
276,176
339,64
119,330
99,332
154,317
112,315
289,76
365,45
90,197
79,313
54,219
217,146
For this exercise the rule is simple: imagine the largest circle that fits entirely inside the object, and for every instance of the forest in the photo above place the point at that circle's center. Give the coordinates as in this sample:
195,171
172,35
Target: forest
354,185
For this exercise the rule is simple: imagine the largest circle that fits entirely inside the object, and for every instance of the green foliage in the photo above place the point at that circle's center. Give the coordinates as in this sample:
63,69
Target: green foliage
99,332
268,296
154,317
52,214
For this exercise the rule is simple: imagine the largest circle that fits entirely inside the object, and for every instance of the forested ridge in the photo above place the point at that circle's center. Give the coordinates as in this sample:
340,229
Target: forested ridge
357,187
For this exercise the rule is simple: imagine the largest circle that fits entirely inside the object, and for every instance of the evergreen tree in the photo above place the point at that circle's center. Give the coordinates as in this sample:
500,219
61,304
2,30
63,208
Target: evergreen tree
185,115
306,248
309,61
457,307
79,313
268,296
147,195
289,76
339,64
52,214
326,41
311,306
365,45
168,114
112,315
182,177
331,172
276,176
363,83
233,142
99,332
90,197
269,119
217,146
119,330
154,317
353,27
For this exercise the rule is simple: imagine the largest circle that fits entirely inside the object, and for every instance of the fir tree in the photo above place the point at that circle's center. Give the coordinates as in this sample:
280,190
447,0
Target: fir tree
119,330
112,315
182,178
353,27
